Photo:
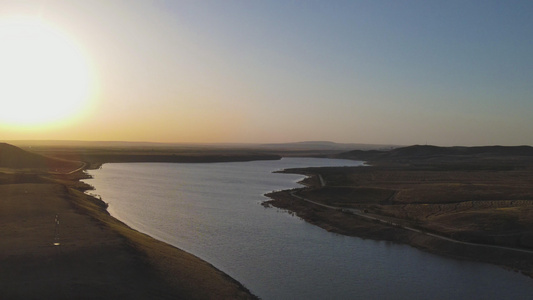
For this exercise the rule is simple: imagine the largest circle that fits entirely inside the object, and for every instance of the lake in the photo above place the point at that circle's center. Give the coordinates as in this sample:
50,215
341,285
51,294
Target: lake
214,211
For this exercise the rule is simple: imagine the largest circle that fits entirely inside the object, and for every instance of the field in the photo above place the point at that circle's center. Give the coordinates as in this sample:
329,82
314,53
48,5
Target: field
480,199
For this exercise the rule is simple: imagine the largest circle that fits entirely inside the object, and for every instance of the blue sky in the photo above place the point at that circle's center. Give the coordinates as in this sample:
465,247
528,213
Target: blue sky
390,72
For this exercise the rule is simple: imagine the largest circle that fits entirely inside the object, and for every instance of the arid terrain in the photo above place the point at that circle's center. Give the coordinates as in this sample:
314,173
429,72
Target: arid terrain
470,203
59,243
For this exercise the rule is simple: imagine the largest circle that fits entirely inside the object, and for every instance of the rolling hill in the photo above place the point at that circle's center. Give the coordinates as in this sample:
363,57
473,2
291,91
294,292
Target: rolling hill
12,157
421,154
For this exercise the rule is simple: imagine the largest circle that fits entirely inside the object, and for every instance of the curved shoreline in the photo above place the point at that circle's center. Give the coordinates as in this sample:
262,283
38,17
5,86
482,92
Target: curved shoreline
345,222
167,271
58,242
193,277
180,235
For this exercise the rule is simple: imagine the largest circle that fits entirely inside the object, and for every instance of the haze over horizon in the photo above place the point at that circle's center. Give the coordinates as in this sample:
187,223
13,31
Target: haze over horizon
377,72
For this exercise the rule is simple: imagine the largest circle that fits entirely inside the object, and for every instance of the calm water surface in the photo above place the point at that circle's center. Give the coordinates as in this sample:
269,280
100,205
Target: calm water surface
213,211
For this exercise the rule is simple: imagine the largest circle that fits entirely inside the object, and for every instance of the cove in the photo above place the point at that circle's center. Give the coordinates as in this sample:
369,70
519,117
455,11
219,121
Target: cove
213,211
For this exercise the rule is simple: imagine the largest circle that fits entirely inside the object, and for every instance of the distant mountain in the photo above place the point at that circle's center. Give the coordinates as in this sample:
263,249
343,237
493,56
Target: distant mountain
88,144
15,158
296,146
426,152
322,145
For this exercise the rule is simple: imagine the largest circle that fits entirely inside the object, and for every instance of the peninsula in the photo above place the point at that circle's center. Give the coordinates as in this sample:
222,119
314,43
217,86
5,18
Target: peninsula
466,202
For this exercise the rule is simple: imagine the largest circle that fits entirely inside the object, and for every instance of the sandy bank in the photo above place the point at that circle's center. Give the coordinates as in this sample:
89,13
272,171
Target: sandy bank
97,257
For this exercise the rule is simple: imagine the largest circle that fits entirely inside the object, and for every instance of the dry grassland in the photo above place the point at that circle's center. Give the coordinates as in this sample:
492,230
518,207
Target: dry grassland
491,206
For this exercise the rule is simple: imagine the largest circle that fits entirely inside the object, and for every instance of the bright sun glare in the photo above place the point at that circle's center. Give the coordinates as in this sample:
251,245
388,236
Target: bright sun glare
44,77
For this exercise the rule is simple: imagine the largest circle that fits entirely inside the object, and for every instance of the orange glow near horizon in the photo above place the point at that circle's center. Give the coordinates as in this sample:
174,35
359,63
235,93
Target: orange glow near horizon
45,77
265,72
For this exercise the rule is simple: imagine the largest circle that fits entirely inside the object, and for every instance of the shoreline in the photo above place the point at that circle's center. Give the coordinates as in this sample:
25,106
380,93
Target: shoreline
91,254
172,253
169,254
101,257
376,231
342,221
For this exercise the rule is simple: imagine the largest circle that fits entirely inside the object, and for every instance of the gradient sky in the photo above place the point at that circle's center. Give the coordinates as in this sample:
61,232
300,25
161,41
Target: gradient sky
387,72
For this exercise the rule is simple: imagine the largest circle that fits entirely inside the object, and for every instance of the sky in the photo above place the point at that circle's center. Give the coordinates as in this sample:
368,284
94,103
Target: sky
378,72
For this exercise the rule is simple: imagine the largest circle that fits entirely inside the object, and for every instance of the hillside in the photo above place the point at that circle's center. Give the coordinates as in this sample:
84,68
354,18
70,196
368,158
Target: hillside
425,154
12,157
322,145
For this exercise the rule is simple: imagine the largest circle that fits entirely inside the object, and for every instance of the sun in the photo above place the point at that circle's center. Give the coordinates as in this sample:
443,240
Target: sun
44,76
